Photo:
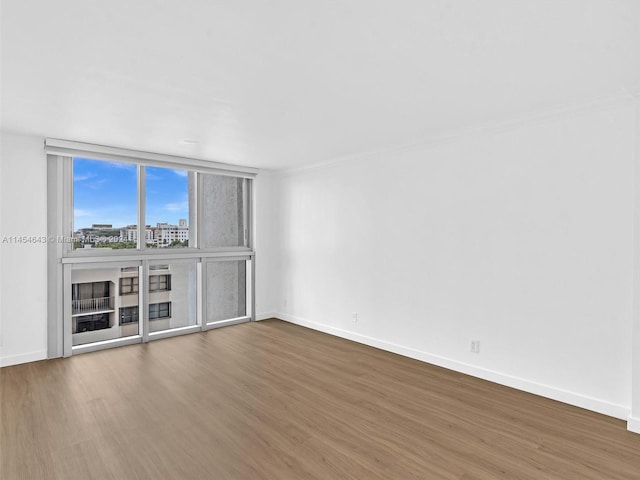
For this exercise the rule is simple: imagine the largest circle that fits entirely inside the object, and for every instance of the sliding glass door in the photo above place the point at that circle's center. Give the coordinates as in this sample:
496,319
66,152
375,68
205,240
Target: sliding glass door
172,296
115,303
102,302
227,287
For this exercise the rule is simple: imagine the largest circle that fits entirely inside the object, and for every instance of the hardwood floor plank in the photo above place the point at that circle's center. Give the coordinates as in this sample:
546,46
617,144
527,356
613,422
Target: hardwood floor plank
272,400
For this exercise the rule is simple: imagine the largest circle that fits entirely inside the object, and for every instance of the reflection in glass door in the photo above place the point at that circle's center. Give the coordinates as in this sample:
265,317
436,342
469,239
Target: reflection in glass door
115,303
226,291
172,296
104,303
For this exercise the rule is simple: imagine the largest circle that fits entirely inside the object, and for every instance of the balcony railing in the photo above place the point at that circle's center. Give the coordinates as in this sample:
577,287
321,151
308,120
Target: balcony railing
89,305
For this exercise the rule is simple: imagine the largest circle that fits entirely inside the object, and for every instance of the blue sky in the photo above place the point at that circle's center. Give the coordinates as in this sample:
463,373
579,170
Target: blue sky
106,192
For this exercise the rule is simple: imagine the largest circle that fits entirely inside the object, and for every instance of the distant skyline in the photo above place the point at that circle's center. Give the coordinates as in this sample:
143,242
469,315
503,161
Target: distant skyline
106,192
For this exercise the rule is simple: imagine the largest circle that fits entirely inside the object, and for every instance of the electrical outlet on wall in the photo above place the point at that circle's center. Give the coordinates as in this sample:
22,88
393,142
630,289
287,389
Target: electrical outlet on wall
354,316
474,346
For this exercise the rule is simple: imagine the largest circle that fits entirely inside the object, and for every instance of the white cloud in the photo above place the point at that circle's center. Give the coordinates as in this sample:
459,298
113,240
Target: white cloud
177,206
78,212
181,173
80,178
97,184
123,166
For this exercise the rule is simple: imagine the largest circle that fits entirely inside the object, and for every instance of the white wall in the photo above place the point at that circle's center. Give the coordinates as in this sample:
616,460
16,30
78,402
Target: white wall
264,227
1,249
633,423
520,238
23,277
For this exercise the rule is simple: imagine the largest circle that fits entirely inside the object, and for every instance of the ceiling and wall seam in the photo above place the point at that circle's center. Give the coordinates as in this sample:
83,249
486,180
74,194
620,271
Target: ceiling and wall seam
622,97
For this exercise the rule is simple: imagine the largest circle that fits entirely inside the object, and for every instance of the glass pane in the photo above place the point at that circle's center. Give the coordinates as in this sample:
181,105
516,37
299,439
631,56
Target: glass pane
172,296
104,304
223,212
226,290
167,208
105,204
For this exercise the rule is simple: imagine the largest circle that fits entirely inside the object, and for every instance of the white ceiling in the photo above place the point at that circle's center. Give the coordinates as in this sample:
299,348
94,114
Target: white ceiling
285,83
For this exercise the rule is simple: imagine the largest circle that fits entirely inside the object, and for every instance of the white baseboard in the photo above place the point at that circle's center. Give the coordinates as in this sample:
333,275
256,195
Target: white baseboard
265,316
633,424
565,396
9,360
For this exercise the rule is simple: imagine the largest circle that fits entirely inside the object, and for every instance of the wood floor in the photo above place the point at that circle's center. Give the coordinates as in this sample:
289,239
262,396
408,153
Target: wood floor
271,400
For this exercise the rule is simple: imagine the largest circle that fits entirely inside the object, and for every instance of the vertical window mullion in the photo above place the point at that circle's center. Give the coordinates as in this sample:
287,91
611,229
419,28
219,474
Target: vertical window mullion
67,341
200,287
67,198
143,301
142,230
195,209
249,283
245,219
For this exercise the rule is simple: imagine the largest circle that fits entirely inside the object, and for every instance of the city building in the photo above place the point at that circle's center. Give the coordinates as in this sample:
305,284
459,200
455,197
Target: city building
130,234
98,233
162,235
166,233
105,302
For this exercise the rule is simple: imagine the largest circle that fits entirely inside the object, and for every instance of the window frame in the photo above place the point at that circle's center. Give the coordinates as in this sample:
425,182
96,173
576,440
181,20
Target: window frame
196,202
155,280
62,258
157,306
90,318
65,150
135,315
136,284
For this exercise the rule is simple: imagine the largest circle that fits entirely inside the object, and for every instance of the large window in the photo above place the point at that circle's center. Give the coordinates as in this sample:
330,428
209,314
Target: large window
104,204
167,207
149,246
124,206
224,211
